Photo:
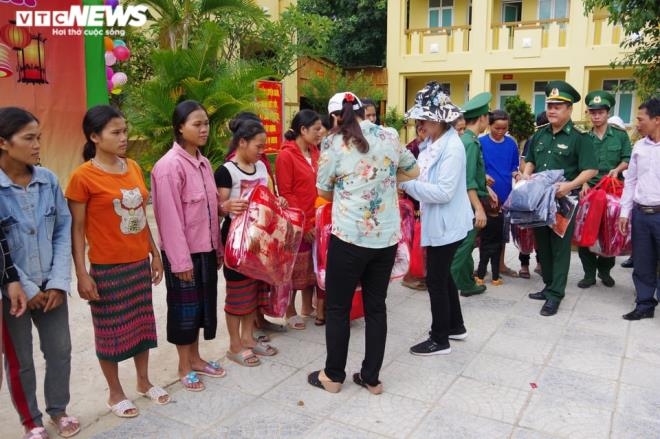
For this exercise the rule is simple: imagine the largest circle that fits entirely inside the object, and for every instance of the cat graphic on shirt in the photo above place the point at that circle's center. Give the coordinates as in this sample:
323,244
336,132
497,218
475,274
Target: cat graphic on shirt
129,209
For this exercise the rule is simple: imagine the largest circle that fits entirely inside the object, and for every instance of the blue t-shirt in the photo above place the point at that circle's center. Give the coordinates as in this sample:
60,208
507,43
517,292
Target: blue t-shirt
501,159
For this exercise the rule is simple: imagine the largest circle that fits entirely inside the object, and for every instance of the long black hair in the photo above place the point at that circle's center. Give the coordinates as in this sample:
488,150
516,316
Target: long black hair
14,119
349,127
243,128
94,122
302,119
180,116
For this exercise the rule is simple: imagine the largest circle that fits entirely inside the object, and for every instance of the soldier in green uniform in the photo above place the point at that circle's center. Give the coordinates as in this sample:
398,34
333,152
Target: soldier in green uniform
612,148
476,121
559,145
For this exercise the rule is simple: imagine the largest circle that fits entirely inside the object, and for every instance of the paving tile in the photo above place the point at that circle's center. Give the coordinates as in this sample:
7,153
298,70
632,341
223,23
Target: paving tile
295,352
485,399
149,425
644,350
638,401
531,308
385,414
254,380
264,419
488,301
415,381
630,427
640,373
525,433
518,348
334,430
588,362
531,328
594,341
452,364
574,386
445,422
605,323
556,416
502,371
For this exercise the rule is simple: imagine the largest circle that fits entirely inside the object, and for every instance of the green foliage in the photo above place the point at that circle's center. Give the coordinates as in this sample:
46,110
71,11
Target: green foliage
319,90
640,20
521,118
224,88
394,119
358,32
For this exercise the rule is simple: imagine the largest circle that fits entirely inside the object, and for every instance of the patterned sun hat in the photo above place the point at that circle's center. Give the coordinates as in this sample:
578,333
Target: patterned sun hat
432,103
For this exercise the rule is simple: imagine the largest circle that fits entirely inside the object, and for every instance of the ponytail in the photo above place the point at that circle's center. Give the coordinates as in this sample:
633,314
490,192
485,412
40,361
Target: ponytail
350,127
290,134
94,122
89,150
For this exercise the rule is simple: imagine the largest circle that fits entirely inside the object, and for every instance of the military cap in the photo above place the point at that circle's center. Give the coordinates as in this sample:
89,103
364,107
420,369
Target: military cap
557,92
477,106
598,99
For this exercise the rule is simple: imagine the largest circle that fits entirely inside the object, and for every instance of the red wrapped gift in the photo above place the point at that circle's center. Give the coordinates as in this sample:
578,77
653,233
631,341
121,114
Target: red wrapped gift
417,253
357,307
523,239
589,216
611,242
276,299
263,241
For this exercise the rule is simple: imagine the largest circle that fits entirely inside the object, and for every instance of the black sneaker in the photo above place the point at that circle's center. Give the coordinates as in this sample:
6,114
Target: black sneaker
628,263
430,347
459,334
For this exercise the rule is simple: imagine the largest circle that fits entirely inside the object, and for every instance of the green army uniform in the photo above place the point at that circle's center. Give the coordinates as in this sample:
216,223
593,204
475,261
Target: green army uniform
571,150
611,150
462,266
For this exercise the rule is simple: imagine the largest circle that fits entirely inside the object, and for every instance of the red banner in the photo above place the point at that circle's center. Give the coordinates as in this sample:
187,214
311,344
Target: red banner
272,101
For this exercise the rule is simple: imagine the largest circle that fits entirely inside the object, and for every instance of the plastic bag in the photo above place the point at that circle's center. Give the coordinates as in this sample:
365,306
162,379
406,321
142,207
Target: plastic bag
357,307
417,253
263,241
523,239
276,300
321,242
407,210
588,217
610,240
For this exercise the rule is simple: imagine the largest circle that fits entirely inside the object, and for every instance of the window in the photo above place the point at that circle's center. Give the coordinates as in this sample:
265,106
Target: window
511,11
506,89
624,98
539,97
553,9
441,13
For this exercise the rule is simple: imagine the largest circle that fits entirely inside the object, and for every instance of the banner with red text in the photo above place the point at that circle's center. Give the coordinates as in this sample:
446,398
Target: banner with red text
271,99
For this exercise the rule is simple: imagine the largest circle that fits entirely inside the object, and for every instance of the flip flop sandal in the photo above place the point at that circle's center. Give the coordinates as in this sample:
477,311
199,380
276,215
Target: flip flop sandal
273,327
509,272
524,274
319,379
212,369
37,433
66,426
296,322
155,393
243,358
260,336
191,379
374,390
319,322
122,407
264,350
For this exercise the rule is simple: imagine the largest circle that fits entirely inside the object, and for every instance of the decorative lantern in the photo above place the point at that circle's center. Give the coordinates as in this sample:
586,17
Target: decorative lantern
5,66
32,62
15,37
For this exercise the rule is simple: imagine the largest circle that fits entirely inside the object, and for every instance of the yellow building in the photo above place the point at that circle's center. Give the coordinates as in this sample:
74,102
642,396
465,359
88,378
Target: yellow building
506,47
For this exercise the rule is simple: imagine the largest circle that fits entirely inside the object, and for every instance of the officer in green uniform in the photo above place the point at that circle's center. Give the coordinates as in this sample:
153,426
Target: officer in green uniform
612,148
559,145
476,121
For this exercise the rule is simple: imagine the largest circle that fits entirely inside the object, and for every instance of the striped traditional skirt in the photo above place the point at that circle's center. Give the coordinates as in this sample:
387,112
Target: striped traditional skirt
244,296
303,269
124,323
192,305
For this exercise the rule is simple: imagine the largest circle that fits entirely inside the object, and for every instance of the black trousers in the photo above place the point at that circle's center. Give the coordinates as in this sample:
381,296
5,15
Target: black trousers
349,264
490,246
445,304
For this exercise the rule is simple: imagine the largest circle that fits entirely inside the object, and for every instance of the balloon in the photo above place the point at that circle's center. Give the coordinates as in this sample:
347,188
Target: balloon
111,86
108,73
110,59
119,79
116,91
107,42
122,53
119,43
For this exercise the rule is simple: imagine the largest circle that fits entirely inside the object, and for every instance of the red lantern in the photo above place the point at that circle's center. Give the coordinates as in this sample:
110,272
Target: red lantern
32,62
15,37
5,67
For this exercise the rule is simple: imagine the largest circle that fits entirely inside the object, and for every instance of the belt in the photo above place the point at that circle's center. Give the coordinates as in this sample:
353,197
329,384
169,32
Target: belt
648,209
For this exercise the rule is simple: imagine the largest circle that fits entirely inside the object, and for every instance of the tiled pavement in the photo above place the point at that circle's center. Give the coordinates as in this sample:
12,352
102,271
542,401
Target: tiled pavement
584,373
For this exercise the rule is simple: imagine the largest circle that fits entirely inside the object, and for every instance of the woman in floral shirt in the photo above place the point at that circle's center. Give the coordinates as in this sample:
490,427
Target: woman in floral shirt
358,170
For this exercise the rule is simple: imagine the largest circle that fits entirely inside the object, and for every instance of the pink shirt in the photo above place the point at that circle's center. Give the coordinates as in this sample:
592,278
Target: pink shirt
185,202
642,184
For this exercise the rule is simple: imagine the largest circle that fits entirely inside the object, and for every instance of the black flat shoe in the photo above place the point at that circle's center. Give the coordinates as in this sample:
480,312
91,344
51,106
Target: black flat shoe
628,263
607,280
374,390
586,283
539,295
638,315
549,308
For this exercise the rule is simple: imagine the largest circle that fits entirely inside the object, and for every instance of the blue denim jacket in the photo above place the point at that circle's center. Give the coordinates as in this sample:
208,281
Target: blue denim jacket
37,223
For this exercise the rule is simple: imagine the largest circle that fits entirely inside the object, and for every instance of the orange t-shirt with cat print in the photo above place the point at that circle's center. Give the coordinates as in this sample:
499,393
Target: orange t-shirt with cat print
115,215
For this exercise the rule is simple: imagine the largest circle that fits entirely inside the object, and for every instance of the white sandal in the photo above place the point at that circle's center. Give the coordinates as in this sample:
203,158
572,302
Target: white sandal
296,322
155,393
122,407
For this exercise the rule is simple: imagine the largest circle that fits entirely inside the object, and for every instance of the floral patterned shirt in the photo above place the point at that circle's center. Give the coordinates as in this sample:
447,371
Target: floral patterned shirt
365,209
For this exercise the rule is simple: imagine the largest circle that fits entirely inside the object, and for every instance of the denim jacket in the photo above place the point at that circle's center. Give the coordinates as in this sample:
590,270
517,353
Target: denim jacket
37,223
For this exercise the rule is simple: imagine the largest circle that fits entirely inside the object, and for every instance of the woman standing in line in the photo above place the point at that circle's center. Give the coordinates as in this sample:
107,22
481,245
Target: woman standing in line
107,198
186,208
446,213
358,171
297,166
241,299
37,223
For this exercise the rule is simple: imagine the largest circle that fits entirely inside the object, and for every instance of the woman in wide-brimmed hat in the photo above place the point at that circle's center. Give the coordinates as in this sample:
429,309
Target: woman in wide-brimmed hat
446,214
